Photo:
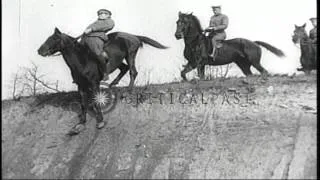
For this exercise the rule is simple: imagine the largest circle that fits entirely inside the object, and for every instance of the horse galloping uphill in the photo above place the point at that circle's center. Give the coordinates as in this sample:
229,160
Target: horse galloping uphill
243,52
85,69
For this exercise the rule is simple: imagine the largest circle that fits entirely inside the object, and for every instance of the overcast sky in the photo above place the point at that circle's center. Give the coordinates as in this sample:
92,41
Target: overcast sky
271,21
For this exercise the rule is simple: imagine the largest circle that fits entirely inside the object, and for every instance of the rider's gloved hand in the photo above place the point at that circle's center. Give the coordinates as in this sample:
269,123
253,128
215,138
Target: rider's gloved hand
209,29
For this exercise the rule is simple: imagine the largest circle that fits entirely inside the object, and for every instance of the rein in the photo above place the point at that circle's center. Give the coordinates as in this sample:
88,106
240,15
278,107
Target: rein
203,33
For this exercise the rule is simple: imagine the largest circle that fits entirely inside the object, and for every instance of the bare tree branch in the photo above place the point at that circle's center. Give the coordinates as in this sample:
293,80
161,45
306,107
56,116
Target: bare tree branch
47,86
15,84
28,80
36,78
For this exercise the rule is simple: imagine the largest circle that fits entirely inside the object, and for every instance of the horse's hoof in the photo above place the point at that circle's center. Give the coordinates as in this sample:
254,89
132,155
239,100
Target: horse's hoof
73,132
100,125
184,79
76,129
194,81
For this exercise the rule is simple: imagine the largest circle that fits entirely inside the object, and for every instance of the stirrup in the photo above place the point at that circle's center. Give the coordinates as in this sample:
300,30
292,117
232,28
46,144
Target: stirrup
213,56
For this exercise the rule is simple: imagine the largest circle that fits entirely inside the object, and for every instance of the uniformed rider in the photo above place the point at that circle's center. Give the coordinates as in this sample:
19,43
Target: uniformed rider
218,23
95,37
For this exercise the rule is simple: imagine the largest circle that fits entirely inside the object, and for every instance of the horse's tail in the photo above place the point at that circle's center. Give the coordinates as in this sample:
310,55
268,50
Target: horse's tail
271,48
151,42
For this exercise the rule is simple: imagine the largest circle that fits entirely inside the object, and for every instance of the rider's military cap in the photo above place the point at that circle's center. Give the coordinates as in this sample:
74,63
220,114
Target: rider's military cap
313,19
213,7
104,11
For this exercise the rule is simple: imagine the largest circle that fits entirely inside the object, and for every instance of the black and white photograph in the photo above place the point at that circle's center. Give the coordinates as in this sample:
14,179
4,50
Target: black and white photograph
159,89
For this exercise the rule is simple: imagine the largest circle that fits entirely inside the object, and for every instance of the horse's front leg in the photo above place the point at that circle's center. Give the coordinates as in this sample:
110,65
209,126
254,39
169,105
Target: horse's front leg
97,105
83,114
201,67
187,68
201,71
202,58
84,106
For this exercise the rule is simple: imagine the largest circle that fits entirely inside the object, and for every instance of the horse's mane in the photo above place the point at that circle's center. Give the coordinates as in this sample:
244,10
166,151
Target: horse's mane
76,44
197,22
86,55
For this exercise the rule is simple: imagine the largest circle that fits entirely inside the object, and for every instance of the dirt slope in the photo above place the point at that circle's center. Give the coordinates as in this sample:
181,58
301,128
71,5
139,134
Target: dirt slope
232,128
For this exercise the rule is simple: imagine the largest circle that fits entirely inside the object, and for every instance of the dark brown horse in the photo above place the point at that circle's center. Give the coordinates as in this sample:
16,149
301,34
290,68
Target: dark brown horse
308,58
242,52
85,69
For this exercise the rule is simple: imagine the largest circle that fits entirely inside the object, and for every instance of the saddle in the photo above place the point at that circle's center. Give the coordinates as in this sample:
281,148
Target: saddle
219,44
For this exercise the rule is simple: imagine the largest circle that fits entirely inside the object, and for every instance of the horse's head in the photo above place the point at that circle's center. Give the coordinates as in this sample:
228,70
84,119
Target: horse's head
185,24
52,45
299,33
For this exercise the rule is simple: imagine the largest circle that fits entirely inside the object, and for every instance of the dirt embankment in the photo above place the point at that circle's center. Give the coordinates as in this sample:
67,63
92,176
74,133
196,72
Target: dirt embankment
233,128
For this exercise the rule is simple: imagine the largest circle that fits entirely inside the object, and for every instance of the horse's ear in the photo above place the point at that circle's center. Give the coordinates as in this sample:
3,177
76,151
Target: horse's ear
180,13
57,31
191,13
304,25
296,26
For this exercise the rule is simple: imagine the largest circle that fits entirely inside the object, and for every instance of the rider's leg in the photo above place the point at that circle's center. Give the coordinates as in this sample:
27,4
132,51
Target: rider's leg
215,38
102,62
105,57
214,43
95,44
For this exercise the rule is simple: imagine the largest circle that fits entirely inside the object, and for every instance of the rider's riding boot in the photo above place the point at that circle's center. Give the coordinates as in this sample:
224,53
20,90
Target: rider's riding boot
214,44
106,74
102,62
213,52
105,66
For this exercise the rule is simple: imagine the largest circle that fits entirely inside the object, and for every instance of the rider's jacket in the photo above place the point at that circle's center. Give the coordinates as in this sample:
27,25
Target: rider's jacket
221,22
100,28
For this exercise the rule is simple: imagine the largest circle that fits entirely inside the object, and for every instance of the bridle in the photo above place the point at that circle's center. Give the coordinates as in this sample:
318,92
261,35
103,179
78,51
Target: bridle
65,46
203,32
183,34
